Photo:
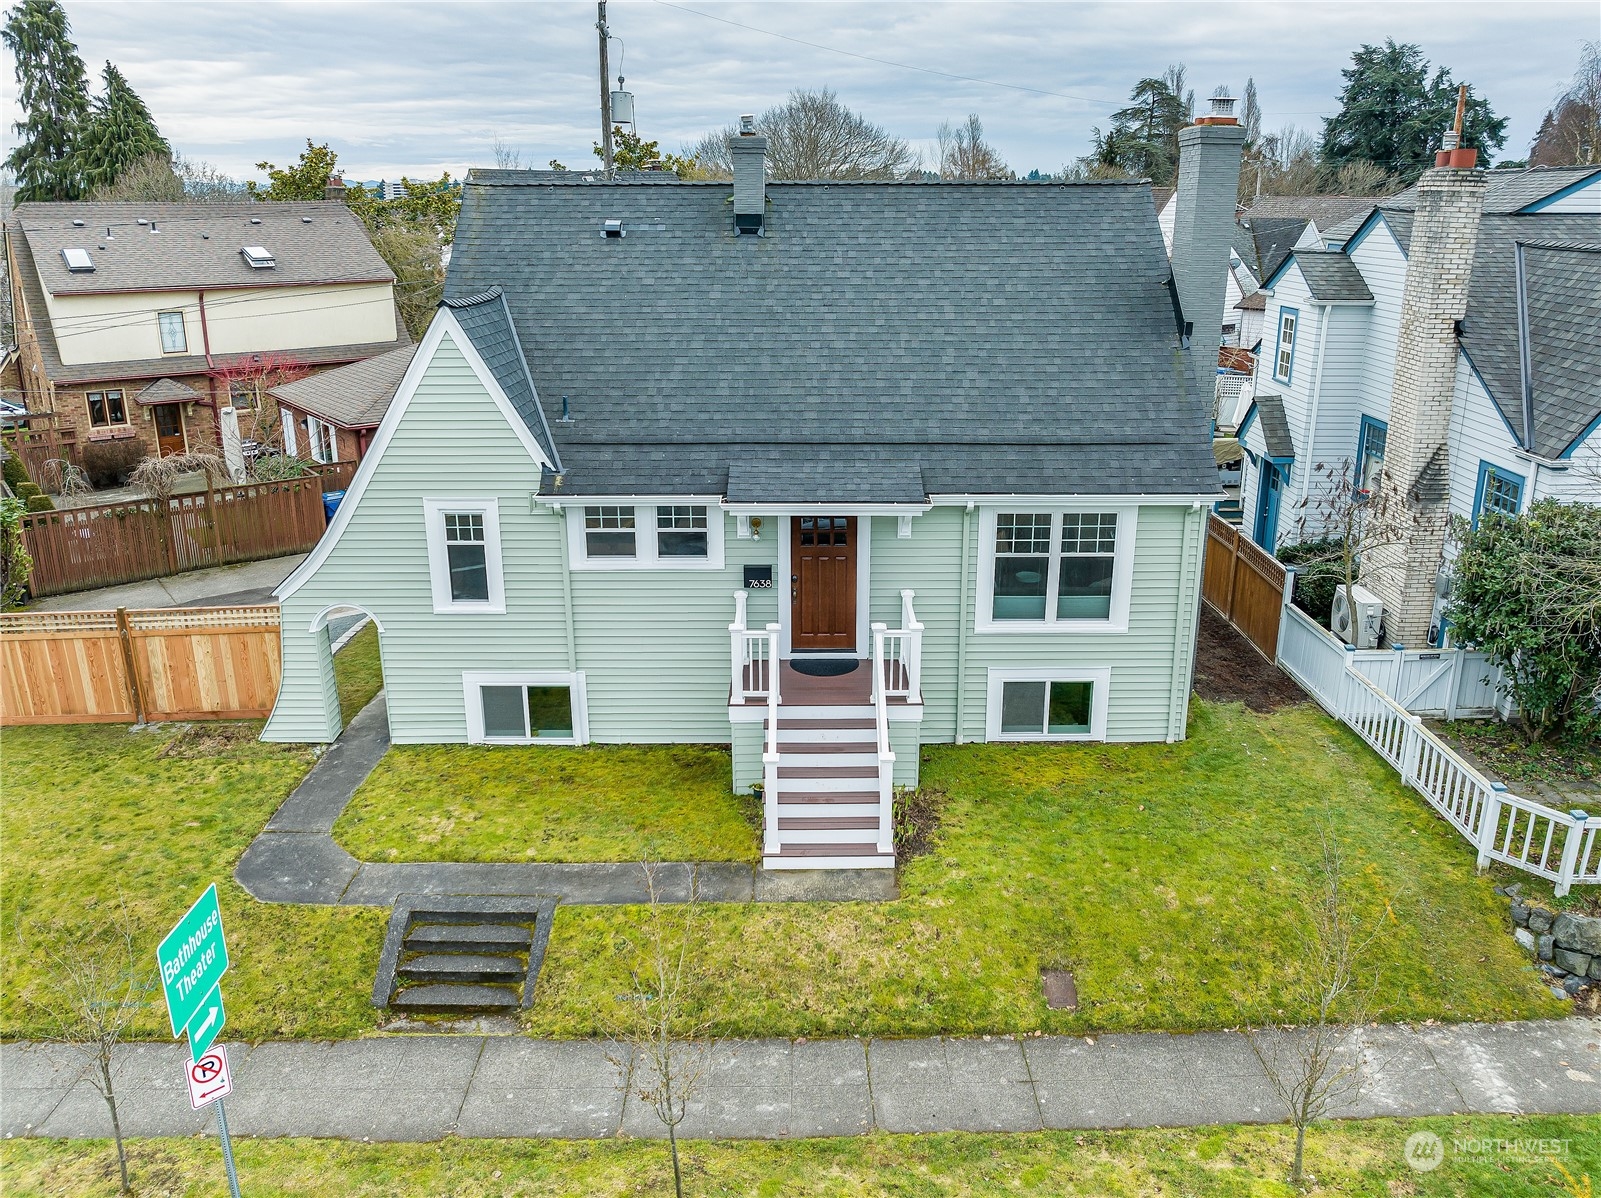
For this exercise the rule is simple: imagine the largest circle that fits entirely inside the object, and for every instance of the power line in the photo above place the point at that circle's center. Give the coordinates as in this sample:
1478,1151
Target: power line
904,66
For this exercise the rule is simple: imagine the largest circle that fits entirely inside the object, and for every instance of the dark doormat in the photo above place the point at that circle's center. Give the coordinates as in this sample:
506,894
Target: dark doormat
823,667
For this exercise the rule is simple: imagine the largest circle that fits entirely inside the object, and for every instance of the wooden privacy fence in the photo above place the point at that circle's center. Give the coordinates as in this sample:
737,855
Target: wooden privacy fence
1244,583
74,549
81,667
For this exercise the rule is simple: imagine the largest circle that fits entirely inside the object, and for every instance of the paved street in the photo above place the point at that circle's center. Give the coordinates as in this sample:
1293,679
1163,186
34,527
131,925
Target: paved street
425,1087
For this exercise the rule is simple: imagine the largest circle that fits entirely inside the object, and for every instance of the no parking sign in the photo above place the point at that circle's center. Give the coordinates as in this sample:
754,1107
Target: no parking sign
208,1078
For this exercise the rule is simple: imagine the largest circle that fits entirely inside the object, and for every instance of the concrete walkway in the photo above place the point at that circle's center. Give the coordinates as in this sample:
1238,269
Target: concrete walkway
297,860
217,586
427,1087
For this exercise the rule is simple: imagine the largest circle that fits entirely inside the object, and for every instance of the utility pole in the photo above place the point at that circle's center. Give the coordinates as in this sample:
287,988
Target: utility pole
605,90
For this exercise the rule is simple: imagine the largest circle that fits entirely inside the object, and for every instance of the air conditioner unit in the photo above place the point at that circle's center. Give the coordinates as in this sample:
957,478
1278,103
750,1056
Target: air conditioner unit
1358,628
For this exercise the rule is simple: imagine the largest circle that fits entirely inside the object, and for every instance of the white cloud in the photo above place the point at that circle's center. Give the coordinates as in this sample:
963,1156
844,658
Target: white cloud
419,88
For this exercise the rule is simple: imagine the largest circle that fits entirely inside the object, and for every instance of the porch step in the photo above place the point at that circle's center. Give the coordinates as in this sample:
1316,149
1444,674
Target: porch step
463,967
453,997
827,823
827,771
856,758
829,856
468,938
866,746
852,723
790,714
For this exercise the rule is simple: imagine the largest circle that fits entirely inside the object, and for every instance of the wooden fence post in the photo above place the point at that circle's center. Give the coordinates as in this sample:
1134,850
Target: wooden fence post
130,662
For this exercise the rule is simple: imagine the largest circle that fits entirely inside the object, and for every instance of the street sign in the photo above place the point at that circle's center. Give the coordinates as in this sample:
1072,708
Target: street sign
206,1022
192,960
208,1078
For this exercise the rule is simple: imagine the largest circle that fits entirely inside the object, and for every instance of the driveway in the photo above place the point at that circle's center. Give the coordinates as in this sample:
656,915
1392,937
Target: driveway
220,586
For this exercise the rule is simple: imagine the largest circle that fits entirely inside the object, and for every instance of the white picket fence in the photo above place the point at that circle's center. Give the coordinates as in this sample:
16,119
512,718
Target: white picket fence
1359,689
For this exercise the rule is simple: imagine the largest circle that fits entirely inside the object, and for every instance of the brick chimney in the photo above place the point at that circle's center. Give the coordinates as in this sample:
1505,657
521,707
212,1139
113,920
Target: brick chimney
334,189
1414,492
1203,232
749,151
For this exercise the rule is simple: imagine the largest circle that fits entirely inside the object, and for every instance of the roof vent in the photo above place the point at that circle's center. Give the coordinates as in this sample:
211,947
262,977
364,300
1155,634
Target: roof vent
747,125
258,257
77,224
305,220
78,260
255,220
614,228
142,221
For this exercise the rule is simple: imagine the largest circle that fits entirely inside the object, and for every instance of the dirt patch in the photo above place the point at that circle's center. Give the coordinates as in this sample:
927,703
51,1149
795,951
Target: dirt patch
917,815
1228,669
210,740
1557,771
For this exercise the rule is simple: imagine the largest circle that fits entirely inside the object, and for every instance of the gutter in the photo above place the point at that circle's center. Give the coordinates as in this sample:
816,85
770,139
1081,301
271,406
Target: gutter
961,629
1525,366
1317,394
211,377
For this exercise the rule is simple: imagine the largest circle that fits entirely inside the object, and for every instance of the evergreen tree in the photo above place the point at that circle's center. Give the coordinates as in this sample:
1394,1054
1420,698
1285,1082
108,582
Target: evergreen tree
119,134
53,93
1393,113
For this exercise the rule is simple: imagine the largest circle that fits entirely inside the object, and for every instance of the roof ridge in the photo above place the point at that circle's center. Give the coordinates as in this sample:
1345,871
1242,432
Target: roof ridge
488,295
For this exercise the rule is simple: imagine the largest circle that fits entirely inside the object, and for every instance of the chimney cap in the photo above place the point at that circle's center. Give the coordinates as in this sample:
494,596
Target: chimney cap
747,124
1222,105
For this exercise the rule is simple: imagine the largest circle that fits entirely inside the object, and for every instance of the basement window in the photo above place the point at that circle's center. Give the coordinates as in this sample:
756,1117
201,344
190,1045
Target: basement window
1051,703
78,260
509,707
259,257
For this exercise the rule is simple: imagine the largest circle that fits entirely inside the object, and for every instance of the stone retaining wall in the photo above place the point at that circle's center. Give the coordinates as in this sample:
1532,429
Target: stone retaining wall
1568,945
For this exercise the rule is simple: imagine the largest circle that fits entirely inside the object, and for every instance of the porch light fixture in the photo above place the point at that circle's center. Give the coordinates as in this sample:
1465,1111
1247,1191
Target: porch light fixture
755,528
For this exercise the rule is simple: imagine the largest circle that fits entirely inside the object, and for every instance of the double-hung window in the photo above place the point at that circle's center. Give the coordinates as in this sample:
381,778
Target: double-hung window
464,555
320,438
1284,355
525,707
1056,569
1499,491
1370,443
664,536
106,408
1047,703
173,338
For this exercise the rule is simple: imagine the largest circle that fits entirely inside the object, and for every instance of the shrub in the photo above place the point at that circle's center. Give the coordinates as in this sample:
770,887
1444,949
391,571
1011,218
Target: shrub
15,564
41,503
1317,577
108,463
1527,590
15,473
27,490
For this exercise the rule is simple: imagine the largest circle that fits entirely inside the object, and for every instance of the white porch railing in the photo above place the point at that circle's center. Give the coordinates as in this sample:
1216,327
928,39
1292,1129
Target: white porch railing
886,757
754,670
900,668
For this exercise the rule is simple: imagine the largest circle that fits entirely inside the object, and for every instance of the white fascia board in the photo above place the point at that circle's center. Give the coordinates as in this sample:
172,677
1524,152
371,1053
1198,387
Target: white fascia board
1074,502
444,322
558,502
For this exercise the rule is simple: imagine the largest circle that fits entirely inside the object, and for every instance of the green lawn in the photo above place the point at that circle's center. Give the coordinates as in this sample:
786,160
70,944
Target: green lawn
1347,1159
358,672
1167,877
548,803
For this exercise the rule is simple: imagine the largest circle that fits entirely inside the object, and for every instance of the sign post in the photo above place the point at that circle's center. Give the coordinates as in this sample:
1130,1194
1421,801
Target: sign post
191,960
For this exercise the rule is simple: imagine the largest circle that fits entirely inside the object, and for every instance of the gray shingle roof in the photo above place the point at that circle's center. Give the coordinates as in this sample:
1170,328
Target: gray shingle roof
996,338
1271,239
167,391
1505,193
1275,428
484,317
197,245
353,396
863,480
1331,276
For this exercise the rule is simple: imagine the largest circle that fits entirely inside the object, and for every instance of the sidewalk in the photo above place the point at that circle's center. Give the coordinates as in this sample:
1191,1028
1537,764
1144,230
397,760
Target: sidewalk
419,1088
217,586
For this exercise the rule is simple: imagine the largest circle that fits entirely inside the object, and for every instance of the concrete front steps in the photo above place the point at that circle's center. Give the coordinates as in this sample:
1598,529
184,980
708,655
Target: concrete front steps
828,804
462,961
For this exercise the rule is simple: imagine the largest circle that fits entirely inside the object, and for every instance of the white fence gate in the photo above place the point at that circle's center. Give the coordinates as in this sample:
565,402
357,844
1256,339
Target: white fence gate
1381,693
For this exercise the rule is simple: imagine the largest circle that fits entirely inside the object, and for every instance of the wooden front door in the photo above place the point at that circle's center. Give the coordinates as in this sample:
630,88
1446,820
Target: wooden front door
822,584
169,429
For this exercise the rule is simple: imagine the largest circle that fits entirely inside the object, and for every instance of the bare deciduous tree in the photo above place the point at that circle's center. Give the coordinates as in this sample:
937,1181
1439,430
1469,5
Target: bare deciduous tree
61,477
506,158
964,154
813,136
1570,134
158,477
1314,1067
96,985
668,1050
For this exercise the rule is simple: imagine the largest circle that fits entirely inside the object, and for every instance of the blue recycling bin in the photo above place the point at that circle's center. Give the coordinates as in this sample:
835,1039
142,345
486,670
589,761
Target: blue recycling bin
330,504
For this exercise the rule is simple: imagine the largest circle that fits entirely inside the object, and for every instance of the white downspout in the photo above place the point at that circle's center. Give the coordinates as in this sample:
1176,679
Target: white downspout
1324,321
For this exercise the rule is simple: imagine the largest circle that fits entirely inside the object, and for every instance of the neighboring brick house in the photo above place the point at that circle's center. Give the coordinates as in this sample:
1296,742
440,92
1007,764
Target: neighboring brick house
331,417
139,322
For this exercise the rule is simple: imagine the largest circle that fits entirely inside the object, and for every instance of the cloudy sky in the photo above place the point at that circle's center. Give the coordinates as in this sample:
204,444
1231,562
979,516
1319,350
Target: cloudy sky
416,89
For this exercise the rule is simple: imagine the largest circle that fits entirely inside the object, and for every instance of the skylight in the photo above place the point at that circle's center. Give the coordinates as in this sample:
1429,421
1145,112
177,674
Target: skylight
259,257
78,260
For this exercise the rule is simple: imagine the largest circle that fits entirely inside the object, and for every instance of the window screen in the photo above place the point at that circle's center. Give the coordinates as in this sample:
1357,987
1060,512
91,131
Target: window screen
609,532
468,558
681,532
1089,551
1046,708
527,712
1022,565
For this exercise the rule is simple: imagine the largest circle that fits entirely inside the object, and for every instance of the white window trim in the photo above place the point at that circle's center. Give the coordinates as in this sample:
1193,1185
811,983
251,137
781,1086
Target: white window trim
439,561
1122,570
645,555
472,680
291,446
1100,677
322,438
183,328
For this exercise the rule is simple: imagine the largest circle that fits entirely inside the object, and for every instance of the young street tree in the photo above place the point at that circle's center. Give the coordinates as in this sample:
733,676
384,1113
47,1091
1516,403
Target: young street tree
812,136
1393,113
98,983
53,94
1314,1067
668,1052
120,133
964,154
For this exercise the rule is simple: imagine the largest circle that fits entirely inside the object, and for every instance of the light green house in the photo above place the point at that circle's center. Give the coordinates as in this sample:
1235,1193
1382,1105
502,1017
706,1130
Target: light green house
847,470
